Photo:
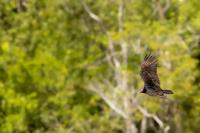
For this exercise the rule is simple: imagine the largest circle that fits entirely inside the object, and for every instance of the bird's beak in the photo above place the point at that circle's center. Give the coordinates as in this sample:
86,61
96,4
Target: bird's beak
142,90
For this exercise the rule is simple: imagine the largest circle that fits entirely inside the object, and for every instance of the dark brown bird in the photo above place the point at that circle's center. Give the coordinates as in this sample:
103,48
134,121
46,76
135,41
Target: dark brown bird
149,75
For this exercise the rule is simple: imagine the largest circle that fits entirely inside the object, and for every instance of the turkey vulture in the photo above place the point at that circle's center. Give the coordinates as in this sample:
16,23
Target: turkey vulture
149,75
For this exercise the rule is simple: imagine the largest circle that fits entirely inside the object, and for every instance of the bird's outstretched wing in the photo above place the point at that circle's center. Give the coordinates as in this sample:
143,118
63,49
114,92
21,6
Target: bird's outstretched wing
149,71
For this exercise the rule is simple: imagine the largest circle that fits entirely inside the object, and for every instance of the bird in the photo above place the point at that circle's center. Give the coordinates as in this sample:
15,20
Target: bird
148,72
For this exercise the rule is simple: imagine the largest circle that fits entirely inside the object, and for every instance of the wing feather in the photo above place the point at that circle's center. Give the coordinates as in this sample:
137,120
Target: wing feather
149,71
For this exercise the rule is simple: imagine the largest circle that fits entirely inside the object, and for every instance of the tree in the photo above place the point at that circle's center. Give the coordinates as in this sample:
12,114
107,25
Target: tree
73,66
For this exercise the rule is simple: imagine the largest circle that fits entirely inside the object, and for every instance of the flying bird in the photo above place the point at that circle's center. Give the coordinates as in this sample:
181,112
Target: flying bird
149,75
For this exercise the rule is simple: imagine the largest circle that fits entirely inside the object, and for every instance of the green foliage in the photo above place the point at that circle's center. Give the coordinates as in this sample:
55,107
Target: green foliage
50,52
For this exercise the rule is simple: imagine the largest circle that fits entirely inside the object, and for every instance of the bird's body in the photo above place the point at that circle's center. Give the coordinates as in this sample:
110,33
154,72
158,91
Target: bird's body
149,75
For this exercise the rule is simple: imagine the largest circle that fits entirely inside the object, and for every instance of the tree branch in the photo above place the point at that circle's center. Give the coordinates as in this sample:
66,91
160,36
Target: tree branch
110,103
120,15
91,14
143,125
155,118
147,114
21,5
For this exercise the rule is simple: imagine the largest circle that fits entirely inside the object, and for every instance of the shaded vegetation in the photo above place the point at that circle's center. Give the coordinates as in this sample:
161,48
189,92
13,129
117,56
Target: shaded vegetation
51,51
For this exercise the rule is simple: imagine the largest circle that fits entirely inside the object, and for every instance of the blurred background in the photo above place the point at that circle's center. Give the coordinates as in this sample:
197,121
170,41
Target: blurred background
72,66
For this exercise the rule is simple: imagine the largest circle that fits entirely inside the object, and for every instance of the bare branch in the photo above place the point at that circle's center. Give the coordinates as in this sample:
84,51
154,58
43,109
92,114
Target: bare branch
167,6
143,125
111,45
120,28
112,52
91,14
120,14
21,5
130,127
159,8
94,16
108,101
147,114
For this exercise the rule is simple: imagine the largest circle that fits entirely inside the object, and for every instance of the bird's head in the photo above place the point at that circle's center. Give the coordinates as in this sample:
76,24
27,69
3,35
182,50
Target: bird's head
143,90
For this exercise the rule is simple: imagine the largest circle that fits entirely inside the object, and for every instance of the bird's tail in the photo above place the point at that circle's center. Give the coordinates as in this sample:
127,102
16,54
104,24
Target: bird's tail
167,91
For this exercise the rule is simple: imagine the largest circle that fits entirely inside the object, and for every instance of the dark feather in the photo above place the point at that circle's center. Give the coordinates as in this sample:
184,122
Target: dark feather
149,72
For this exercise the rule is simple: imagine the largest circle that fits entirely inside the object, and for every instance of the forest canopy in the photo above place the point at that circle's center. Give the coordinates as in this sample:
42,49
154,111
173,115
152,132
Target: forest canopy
73,66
